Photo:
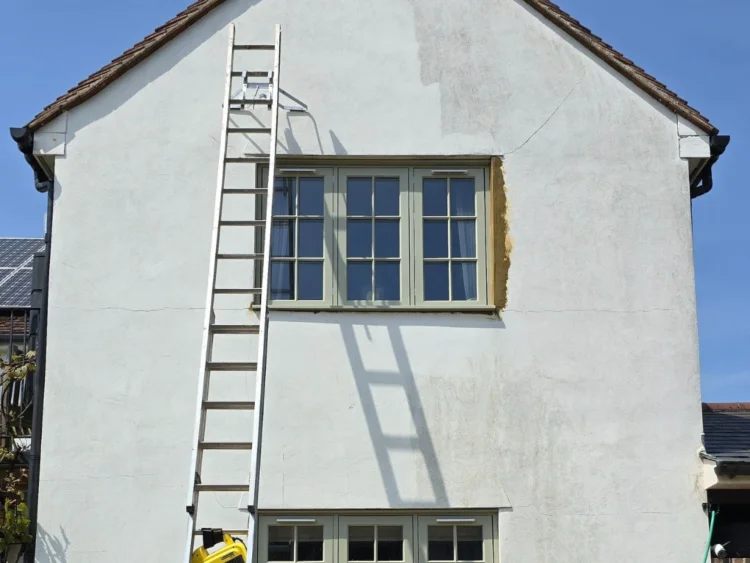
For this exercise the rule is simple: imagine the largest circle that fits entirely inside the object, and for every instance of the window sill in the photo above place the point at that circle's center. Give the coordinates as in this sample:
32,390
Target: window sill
466,309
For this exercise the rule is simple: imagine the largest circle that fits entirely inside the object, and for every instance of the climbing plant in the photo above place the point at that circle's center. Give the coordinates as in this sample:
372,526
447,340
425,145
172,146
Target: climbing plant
14,521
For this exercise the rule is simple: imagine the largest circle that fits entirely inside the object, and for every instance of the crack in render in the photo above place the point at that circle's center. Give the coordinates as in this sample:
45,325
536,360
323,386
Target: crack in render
519,147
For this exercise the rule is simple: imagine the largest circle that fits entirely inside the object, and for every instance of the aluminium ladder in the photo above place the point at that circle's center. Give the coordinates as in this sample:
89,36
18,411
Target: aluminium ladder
210,328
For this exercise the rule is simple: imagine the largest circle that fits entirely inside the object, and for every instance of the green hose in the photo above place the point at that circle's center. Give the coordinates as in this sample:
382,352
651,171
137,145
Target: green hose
710,533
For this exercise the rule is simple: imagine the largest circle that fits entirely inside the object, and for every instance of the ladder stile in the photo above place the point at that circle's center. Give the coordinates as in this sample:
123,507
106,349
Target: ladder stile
260,380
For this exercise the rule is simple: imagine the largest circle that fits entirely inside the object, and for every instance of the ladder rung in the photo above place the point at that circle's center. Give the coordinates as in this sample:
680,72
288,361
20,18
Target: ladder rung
239,256
248,223
248,191
249,130
253,73
235,329
231,366
231,532
250,101
229,405
249,158
226,445
222,488
254,47
237,291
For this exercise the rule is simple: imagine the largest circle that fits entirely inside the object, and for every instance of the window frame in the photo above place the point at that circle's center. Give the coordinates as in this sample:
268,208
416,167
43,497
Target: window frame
329,214
293,521
410,231
417,257
488,534
342,537
415,527
341,221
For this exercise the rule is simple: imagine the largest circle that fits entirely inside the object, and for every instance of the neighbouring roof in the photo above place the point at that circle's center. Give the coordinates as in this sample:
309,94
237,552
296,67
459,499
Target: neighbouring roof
726,428
16,257
162,35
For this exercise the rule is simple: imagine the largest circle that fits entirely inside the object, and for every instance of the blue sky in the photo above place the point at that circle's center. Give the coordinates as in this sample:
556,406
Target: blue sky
699,49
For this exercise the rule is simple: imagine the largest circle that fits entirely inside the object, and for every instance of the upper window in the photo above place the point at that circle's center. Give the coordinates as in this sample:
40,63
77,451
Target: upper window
379,237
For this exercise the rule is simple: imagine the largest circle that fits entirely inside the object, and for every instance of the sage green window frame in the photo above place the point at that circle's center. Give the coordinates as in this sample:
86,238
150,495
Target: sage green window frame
415,525
329,202
410,240
479,175
342,218
292,521
406,523
454,522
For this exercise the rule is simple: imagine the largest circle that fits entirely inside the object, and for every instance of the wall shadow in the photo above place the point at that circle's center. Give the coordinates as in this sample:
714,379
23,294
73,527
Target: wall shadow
383,444
51,548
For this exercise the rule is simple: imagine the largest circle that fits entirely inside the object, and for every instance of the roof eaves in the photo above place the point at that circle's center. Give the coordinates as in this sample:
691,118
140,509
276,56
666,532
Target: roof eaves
120,65
622,64
726,407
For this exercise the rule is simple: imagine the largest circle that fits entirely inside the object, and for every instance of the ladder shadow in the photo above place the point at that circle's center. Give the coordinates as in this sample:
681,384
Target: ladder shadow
383,444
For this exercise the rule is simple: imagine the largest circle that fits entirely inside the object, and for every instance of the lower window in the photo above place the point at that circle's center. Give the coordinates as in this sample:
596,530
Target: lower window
374,539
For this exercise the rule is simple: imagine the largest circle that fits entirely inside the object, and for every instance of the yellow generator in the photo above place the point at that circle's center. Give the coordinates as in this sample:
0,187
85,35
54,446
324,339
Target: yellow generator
234,550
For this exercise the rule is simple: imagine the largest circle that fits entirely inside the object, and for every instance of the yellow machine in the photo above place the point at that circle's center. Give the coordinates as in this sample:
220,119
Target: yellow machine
234,550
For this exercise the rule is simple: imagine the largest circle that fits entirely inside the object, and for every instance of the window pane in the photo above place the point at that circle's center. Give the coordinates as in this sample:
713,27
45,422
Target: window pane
463,239
386,239
310,280
359,281
436,281
387,283
386,196
359,238
464,280
310,238
282,238
435,239
390,543
469,540
282,280
462,196
435,197
311,196
281,543
283,196
359,196
361,543
309,542
440,543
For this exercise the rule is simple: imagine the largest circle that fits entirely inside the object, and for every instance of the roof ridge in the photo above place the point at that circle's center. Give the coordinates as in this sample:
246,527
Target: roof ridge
194,12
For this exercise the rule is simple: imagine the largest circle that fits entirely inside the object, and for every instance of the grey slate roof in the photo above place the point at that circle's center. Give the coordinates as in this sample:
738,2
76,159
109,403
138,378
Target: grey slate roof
726,427
16,256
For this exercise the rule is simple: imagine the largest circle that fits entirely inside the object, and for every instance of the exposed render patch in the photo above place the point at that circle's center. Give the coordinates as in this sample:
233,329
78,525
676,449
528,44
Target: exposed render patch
501,243
453,47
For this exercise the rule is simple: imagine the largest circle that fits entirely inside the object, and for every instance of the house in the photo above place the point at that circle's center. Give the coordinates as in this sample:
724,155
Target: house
482,340
726,475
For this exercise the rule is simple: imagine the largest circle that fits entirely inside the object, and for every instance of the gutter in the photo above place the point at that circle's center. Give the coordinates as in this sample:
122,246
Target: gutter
704,181
24,138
